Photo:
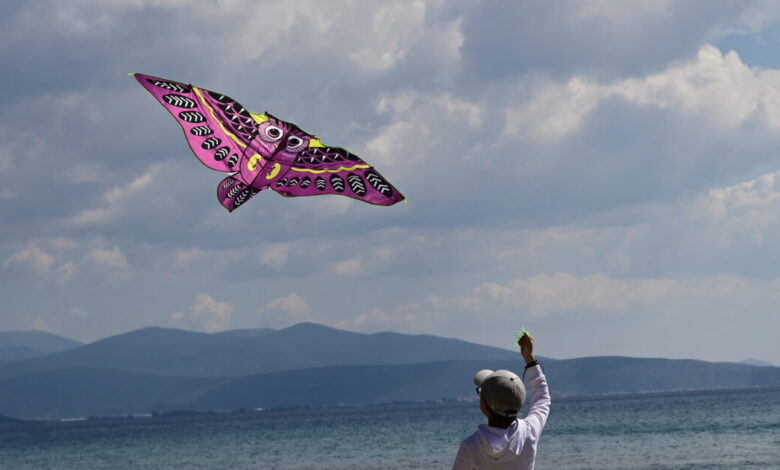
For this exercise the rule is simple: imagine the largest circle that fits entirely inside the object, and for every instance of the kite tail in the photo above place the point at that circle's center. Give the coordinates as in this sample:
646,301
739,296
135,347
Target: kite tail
232,193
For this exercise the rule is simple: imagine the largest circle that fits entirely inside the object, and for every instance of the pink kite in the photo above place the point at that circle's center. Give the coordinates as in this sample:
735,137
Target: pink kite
260,151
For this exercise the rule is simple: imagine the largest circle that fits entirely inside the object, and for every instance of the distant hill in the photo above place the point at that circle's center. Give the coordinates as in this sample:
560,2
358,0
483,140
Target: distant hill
245,352
80,392
16,345
16,353
109,392
756,362
602,375
311,365
452,379
35,339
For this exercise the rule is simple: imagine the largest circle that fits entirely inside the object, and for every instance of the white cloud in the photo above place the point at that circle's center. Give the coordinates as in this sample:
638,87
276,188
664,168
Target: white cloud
61,244
41,323
715,88
267,27
756,201
555,111
60,259
549,294
747,211
587,300
351,267
66,272
33,258
400,29
545,295
417,317
393,29
188,257
435,123
117,197
438,105
389,33
206,313
196,264
105,264
45,257
110,258
120,193
286,311
274,255
87,18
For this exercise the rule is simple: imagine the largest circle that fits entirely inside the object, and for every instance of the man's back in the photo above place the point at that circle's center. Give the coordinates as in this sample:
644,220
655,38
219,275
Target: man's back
514,447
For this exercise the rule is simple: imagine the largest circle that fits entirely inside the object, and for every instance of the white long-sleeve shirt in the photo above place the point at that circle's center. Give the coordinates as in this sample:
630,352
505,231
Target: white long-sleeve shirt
514,447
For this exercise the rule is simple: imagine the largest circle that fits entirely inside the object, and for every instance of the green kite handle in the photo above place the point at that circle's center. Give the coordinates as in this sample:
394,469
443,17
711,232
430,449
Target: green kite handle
521,334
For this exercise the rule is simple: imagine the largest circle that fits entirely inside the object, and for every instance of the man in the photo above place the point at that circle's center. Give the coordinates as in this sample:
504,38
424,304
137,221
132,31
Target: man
507,442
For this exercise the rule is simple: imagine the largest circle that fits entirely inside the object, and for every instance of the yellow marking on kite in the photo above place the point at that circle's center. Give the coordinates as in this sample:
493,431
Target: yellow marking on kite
341,168
259,118
253,161
315,142
274,171
211,110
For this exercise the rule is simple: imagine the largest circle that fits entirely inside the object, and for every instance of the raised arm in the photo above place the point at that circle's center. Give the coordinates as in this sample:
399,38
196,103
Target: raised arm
540,393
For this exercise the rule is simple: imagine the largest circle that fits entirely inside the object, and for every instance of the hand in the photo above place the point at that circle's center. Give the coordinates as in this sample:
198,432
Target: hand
526,343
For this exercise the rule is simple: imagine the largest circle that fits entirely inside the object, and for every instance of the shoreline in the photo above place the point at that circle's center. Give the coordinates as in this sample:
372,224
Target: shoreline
186,413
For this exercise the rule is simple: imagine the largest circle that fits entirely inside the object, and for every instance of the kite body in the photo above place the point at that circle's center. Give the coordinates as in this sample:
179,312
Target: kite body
260,151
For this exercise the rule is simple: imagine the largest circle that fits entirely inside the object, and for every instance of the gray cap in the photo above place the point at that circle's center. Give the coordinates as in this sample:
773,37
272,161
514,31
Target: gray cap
503,391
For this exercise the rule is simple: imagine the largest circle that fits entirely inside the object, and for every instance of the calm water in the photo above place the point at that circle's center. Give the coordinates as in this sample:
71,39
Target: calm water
715,430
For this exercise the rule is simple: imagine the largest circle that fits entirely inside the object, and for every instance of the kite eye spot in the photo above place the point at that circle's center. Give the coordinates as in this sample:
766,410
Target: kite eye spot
273,133
294,142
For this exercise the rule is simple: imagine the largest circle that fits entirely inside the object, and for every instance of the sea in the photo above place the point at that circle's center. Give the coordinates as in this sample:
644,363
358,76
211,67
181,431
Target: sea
728,429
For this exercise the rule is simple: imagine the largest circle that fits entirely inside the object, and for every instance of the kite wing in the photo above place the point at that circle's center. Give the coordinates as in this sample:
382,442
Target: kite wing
333,170
218,128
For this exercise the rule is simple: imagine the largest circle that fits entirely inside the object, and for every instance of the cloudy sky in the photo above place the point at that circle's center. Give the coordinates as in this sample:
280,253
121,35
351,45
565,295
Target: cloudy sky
604,173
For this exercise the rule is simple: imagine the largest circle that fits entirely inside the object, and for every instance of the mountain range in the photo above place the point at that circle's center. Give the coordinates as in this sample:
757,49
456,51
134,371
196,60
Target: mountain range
15,345
160,369
235,353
